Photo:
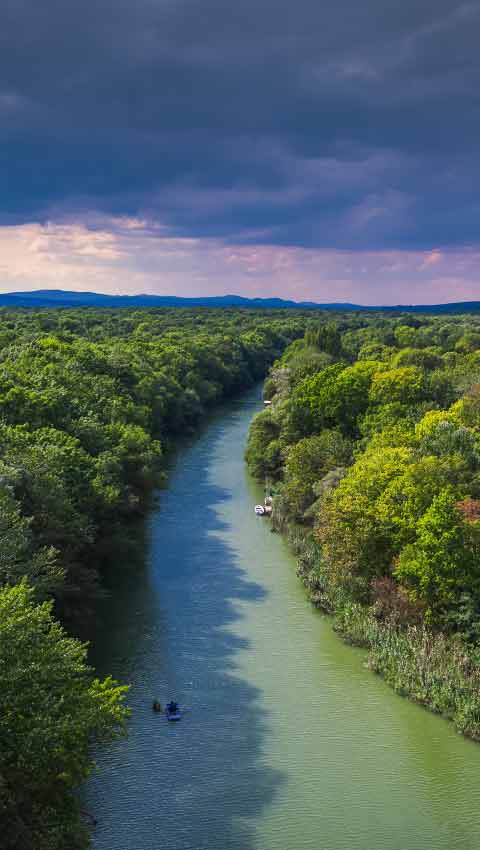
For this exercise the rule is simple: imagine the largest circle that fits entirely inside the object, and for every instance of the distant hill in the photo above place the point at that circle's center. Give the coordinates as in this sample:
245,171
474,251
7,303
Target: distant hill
63,298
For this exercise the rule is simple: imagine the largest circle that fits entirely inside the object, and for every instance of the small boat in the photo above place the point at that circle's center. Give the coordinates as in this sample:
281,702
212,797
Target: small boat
157,706
259,510
172,711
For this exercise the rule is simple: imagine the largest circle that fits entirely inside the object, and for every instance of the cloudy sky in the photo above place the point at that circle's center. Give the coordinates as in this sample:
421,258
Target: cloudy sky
308,149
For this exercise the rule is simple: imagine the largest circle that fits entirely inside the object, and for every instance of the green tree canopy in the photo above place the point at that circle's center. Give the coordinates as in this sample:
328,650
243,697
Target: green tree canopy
51,710
444,560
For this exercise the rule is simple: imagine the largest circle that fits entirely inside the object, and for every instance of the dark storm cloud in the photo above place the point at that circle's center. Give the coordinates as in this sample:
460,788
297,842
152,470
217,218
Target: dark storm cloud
340,124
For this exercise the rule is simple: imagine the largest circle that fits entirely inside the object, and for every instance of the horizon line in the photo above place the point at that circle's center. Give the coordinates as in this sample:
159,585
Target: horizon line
87,292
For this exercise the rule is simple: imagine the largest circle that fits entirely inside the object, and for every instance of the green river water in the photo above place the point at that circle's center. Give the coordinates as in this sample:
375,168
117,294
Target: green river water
288,742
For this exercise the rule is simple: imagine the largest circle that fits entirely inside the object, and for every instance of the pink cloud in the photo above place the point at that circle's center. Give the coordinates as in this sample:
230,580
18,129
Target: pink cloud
128,255
432,258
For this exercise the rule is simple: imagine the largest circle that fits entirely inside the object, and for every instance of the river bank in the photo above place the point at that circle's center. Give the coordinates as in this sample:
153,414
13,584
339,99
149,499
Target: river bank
427,668
287,743
373,453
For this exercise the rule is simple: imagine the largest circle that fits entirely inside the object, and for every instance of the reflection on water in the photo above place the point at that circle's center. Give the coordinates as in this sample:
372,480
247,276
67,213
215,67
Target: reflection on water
288,742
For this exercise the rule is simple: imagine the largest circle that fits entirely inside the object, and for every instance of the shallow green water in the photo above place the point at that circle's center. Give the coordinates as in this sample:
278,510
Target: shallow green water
289,743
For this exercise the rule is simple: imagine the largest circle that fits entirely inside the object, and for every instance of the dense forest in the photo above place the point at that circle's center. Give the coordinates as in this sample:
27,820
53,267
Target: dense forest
90,402
371,447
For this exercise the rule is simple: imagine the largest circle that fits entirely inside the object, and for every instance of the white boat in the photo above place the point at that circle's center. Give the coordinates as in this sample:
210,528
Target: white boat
260,510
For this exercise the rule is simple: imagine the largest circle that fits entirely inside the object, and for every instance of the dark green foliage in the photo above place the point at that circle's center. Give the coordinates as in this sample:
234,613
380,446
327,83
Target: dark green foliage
307,362
326,337
263,433
88,401
336,397
51,710
308,463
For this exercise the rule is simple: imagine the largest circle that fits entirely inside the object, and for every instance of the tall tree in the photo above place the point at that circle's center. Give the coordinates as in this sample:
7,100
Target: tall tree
52,710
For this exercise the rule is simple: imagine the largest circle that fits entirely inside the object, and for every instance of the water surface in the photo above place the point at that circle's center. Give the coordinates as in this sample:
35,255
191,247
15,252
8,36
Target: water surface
288,743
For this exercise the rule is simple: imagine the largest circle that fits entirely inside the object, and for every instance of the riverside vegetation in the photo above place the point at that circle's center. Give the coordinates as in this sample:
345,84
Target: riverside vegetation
89,402
371,445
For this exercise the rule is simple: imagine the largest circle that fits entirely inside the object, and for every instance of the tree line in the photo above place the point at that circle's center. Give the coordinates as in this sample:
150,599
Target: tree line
372,447
90,402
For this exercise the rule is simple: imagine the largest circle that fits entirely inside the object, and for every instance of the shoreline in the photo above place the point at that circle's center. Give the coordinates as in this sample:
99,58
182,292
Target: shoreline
427,668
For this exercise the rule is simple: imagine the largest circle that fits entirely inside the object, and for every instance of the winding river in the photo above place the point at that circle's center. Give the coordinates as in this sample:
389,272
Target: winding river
288,742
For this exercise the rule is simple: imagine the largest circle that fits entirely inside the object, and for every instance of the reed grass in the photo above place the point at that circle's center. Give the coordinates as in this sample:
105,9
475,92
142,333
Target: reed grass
434,670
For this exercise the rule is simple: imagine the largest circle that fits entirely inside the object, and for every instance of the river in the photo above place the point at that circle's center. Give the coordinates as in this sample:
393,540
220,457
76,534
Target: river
288,742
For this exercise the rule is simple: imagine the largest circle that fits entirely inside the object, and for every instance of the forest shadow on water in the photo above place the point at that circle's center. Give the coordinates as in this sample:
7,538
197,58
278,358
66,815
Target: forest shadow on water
168,630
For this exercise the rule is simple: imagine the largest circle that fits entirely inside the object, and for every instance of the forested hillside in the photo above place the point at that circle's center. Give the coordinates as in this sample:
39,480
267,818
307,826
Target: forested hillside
372,447
90,401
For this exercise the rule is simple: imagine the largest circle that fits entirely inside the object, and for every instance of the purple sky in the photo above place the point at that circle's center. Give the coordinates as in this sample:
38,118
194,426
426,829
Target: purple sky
321,151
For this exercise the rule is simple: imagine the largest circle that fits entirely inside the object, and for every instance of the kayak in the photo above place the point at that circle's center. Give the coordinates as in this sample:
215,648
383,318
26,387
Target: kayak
172,710
173,715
